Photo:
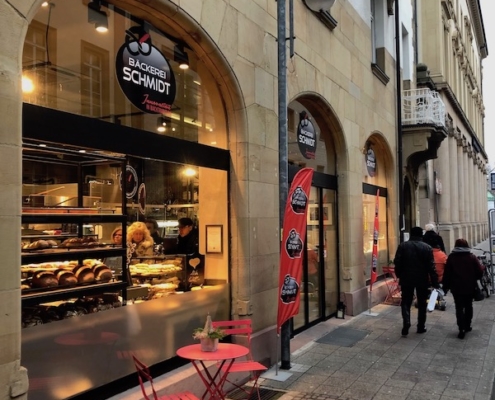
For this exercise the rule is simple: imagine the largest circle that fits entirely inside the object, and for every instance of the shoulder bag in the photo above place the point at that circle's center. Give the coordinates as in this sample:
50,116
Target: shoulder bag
478,294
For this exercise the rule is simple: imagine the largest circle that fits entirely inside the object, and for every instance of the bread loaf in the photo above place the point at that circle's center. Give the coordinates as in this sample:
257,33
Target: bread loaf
44,279
65,278
84,274
102,273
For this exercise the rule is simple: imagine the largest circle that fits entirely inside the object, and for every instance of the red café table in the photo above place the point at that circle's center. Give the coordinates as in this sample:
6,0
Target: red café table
225,354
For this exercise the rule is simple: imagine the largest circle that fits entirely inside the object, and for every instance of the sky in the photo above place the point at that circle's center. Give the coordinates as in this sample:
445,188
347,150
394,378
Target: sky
488,64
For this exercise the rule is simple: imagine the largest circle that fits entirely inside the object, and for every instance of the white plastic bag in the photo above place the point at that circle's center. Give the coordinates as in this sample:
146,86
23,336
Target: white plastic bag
433,300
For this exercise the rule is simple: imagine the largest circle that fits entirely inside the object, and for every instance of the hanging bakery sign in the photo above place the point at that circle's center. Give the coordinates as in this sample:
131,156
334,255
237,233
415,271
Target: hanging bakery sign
144,74
306,137
370,162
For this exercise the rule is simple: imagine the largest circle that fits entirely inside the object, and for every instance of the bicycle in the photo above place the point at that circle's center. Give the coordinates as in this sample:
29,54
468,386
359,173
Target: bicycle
486,279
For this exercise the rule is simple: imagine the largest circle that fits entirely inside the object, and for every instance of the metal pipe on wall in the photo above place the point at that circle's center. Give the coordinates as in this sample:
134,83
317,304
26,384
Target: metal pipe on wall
282,151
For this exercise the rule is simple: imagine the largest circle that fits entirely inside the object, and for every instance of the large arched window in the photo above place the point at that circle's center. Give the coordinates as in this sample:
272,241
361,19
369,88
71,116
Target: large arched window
74,60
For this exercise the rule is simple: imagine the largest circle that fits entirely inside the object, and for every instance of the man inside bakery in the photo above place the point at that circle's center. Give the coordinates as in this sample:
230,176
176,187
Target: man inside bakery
152,225
187,241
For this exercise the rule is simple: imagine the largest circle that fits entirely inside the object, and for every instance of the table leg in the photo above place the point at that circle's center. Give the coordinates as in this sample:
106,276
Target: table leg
212,387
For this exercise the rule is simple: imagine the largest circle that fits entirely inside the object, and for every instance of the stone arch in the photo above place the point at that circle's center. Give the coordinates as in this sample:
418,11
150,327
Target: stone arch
15,17
382,146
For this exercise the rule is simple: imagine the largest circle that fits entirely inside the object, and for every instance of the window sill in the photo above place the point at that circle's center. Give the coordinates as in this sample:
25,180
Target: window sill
379,73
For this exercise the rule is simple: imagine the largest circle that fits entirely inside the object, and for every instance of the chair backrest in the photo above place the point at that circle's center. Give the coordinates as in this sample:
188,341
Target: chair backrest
236,327
143,376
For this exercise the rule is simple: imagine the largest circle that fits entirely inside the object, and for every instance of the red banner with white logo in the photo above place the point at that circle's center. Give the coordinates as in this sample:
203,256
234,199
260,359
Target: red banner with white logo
292,247
374,253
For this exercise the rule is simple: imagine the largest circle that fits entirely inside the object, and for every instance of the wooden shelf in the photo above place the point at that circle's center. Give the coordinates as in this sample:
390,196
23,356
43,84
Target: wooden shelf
70,254
54,294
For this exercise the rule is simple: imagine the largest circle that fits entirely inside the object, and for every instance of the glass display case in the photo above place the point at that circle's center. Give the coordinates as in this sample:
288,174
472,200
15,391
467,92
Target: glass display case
66,235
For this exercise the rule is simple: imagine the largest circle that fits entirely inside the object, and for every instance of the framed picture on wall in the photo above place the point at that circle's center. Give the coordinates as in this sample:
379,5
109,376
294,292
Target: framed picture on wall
214,235
314,214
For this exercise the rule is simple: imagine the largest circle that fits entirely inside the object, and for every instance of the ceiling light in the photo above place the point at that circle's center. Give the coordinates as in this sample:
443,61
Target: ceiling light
101,26
181,57
189,172
161,123
44,4
97,16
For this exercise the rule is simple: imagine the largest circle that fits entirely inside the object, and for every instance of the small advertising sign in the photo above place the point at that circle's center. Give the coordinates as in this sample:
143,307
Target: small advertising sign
492,181
306,137
144,74
371,162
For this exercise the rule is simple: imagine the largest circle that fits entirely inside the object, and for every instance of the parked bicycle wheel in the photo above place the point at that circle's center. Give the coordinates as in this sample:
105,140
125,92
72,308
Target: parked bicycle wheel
486,283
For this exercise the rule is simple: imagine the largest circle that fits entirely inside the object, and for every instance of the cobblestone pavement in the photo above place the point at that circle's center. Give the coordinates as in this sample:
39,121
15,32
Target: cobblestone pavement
383,365
435,365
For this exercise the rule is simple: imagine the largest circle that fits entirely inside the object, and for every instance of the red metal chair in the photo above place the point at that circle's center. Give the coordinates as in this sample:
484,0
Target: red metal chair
394,294
243,327
145,376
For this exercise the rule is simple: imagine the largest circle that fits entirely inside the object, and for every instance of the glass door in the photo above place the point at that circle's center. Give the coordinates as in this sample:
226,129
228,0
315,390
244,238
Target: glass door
319,286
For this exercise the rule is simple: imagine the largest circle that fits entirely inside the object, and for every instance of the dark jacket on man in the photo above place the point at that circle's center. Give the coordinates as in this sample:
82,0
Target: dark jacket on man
414,264
436,237
189,243
461,272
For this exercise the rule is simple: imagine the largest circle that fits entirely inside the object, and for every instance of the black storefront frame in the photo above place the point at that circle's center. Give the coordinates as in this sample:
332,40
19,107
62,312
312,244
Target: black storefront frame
370,189
320,181
47,125
54,126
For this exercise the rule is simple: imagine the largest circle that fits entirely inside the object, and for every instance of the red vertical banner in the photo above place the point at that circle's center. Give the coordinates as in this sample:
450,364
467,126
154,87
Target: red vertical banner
374,254
292,246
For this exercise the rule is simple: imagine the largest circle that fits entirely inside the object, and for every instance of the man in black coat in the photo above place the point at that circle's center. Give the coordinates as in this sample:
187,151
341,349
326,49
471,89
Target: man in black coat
415,268
187,241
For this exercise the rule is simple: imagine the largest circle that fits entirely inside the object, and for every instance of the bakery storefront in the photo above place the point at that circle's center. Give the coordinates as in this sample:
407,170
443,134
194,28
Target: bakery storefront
122,122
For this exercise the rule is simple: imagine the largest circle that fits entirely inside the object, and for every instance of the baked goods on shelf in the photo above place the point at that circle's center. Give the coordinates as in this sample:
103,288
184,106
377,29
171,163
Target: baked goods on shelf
84,274
144,270
44,279
66,273
102,273
39,245
161,290
59,310
86,241
65,277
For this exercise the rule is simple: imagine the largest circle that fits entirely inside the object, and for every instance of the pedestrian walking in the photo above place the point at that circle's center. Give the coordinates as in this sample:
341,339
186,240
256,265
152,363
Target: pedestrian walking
430,231
461,275
415,268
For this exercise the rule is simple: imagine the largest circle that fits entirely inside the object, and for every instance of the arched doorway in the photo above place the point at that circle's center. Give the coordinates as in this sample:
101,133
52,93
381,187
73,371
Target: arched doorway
320,282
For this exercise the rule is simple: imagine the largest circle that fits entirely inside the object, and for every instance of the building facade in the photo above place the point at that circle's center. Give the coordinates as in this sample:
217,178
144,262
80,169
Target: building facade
57,71
444,143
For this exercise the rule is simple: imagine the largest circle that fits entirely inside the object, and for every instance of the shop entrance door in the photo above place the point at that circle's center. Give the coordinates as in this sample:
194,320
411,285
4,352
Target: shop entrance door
319,287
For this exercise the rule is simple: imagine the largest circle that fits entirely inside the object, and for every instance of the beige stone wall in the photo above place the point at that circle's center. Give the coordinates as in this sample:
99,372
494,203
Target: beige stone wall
334,66
448,48
13,15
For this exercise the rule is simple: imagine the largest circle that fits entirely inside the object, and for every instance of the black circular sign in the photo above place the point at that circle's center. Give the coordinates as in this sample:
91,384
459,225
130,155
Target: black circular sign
294,244
306,138
129,181
144,74
371,162
299,200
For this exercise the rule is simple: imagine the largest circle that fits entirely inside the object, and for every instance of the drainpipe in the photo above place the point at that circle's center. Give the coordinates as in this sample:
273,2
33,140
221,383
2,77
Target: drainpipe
283,179
398,78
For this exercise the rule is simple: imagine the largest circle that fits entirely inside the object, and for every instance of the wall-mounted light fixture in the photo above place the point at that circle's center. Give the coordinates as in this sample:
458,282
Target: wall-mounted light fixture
97,16
181,57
